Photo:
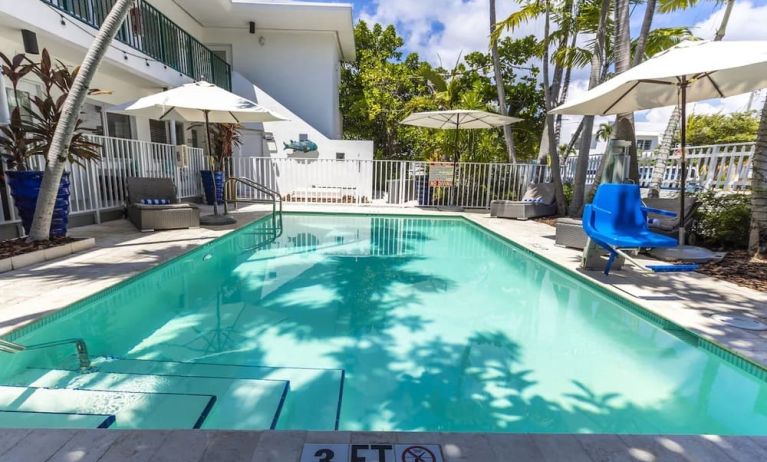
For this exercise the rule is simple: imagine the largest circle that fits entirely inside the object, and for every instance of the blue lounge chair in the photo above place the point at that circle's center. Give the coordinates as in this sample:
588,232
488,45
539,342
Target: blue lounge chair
616,220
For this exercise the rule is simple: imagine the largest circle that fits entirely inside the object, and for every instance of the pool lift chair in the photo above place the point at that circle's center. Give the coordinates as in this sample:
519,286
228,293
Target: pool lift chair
617,222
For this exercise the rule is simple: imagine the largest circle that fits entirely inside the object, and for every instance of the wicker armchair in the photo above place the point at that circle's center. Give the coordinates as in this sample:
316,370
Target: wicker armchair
146,217
538,201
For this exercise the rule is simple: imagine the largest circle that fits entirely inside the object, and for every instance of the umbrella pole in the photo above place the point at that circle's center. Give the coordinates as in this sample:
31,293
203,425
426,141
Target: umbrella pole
683,163
215,164
455,161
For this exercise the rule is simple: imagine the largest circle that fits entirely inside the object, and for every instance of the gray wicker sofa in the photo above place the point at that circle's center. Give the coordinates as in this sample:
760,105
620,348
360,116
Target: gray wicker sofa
538,201
146,217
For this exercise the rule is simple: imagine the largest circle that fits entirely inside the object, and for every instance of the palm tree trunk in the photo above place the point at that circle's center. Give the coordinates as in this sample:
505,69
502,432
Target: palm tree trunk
508,135
757,244
624,123
556,172
662,154
57,153
582,164
725,19
644,32
664,149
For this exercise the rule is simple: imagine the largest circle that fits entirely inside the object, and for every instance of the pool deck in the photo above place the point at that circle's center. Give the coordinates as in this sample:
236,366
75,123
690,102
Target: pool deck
285,446
687,299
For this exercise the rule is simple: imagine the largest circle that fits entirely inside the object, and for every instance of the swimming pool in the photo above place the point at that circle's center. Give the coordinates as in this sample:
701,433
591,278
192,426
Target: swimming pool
358,322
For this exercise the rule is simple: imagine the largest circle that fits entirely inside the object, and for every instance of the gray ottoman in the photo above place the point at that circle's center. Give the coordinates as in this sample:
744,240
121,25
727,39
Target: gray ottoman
570,233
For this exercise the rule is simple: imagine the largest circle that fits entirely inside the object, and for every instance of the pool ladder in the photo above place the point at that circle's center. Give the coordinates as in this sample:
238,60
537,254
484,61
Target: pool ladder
274,196
82,349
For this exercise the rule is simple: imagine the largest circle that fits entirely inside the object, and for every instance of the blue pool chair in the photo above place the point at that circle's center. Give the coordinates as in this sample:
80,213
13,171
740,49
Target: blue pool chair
617,220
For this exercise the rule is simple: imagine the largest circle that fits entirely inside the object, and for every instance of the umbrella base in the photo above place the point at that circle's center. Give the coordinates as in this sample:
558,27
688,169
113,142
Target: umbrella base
687,253
217,220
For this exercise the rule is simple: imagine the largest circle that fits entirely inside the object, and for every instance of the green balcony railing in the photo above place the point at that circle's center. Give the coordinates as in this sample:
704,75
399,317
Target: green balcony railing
149,31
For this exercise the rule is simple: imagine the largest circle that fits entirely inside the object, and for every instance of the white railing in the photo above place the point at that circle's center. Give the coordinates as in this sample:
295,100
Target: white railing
720,167
385,182
100,185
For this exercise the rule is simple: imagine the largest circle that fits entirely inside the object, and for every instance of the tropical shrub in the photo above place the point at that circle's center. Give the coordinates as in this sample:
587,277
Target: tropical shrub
723,220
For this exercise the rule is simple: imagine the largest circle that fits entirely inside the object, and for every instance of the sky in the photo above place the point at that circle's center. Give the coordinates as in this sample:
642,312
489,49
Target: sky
440,30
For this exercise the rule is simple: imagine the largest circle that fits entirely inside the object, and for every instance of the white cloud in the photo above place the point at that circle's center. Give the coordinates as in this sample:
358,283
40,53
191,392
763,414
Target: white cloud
463,25
746,23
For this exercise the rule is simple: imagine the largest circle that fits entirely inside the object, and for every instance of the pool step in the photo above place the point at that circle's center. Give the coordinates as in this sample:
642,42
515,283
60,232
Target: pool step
131,409
313,403
241,404
28,419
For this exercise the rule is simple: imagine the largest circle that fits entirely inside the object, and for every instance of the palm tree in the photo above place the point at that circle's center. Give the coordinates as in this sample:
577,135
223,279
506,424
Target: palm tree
57,157
664,148
556,173
508,135
757,244
598,61
624,123
604,131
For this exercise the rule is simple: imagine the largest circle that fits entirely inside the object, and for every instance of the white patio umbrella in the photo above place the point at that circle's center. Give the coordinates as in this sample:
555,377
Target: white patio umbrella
202,102
457,119
688,72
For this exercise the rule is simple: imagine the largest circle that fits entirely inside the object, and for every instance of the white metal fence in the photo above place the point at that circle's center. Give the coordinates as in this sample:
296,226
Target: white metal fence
720,167
386,182
100,186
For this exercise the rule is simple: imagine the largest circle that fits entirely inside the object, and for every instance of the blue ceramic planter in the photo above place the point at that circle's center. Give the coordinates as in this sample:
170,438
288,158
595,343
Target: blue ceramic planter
213,185
25,187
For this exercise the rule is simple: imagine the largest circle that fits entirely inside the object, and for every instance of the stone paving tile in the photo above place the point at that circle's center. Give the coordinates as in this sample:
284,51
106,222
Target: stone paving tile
231,446
740,448
648,447
86,446
514,448
40,445
694,448
135,446
186,445
555,448
608,448
279,446
10,437
467,447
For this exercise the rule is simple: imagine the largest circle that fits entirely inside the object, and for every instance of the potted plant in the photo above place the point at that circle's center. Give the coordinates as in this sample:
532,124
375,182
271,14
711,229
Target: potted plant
29,135
224,137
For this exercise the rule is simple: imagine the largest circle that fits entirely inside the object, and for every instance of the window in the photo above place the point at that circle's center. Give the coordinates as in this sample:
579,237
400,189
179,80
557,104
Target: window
644,145
340,156
195,139
24,102
119,126
180,133
158,131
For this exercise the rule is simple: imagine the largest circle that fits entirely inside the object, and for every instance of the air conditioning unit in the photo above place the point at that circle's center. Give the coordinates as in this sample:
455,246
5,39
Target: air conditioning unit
182,156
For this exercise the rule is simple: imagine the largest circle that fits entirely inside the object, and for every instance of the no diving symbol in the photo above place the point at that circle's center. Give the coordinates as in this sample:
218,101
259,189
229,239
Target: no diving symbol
418,454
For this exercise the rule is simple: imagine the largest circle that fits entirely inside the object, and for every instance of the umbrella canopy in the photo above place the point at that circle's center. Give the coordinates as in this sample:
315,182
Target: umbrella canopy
191,102
706,69
458,119
688,72
202,102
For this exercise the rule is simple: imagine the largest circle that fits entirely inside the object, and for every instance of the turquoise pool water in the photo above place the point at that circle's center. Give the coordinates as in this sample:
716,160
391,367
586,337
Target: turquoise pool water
385,323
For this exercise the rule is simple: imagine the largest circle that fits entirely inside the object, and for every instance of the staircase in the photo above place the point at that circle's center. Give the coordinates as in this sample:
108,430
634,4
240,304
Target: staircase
151,394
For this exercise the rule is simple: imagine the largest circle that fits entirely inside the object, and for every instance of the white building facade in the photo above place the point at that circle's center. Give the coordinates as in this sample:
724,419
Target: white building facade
284,55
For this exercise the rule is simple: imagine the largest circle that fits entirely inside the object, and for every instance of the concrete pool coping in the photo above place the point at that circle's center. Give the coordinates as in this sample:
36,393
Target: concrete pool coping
686,299
285,446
